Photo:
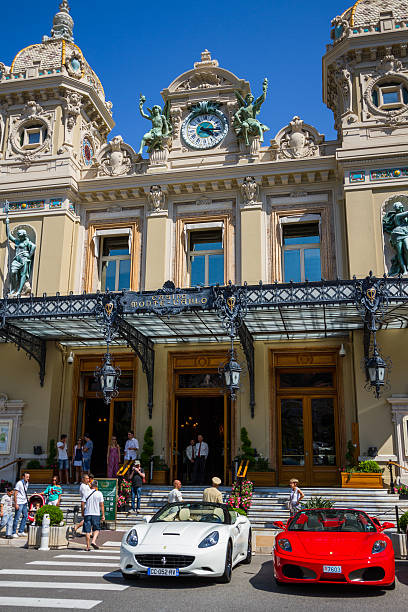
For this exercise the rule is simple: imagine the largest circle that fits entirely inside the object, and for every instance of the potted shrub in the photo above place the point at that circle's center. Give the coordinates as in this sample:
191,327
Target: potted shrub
259,471
160,471
241,496
402,491
58,529
366,475
39,473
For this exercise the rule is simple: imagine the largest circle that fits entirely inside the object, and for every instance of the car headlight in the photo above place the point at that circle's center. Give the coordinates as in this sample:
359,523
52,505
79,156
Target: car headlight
132,538
284,544
379,546
210,540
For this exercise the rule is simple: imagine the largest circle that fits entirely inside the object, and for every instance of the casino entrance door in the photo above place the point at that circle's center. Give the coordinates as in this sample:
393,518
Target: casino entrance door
199,407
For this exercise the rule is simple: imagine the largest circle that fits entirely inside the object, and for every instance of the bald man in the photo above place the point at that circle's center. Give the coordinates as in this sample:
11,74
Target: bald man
175,495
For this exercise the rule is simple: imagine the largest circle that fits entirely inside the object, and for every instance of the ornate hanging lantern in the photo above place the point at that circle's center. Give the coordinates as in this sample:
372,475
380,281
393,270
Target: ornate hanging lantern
108,377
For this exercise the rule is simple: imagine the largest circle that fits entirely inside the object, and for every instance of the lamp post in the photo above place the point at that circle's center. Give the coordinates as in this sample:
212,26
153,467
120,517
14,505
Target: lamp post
376,368
232,374
108,377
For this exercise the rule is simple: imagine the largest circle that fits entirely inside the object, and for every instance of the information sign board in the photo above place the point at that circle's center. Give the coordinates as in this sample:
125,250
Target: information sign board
109,489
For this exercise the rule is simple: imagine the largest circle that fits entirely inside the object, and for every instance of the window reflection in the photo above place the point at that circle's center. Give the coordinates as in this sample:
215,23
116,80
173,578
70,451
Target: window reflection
323,431
292,432
206,258
301,252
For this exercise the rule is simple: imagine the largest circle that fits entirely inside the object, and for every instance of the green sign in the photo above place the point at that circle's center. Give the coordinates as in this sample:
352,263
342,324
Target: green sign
109,489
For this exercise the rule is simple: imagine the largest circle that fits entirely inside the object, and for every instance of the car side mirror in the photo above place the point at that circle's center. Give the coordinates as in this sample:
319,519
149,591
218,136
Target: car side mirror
387,526
279,525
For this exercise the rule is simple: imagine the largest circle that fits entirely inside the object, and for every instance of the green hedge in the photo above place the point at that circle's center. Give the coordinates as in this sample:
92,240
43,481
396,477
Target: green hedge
403,522
56,515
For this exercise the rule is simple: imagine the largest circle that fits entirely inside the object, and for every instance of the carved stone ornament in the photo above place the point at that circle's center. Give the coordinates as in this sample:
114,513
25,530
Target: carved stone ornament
389,65
341,29
297,140
3,70
116,158
176,114
205,75
73,103
250,191
74,63
156,198
342,79
31,114
384,116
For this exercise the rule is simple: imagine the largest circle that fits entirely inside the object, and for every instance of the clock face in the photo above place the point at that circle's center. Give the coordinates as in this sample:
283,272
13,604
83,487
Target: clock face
204,130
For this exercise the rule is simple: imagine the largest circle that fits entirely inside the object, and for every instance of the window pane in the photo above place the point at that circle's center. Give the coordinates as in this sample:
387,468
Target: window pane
292,432
301,233
108,275
324,445
391,97
197,271
291,263
319,380
312,264
124,274
116,246
206,240
215,269
122,421
34,138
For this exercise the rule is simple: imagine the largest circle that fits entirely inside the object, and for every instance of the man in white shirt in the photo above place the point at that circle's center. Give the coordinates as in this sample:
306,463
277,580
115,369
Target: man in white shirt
84,491
21,505
6,512
201,454
63,459
175,495
92,509
189,460
131,447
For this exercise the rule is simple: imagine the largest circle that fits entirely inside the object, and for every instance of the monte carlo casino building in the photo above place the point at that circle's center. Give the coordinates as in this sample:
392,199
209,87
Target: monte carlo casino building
294,221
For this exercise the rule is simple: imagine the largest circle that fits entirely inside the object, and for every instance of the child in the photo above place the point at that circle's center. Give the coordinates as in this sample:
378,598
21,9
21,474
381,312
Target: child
296,496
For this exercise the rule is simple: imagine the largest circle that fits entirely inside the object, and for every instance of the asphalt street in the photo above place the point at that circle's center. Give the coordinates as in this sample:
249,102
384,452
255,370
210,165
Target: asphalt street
76,580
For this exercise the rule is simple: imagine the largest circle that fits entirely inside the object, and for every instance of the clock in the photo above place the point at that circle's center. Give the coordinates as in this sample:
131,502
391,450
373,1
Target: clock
204,129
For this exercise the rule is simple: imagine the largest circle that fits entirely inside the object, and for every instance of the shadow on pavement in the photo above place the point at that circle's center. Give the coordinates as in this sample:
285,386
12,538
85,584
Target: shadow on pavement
401,571
264,581
145,582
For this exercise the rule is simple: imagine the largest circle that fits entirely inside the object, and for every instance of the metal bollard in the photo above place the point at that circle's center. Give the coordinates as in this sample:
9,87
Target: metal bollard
45,533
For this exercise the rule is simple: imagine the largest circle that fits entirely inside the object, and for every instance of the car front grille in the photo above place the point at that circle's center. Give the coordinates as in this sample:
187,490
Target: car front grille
170,561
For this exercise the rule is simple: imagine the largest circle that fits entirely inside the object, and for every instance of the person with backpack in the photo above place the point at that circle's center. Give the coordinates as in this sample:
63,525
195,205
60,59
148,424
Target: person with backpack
21,505
92,510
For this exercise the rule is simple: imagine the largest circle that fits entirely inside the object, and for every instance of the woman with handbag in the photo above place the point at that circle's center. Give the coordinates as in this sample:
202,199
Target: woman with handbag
295,497
137,478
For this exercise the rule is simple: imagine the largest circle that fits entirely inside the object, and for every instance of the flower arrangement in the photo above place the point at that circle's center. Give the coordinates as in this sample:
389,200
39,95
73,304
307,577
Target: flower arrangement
401,489
121,501
241,495
125,487
124,494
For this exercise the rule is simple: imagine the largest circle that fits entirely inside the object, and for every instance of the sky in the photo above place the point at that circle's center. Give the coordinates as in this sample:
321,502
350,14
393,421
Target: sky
137,47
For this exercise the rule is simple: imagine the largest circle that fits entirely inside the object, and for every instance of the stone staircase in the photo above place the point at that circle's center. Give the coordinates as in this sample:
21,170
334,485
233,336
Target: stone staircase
268,505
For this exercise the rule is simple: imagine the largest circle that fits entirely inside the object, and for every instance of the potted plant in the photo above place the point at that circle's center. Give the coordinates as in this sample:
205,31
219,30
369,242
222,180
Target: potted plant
39,473
160,471
366,475
58,529
240,498
402,491
123,503
259,471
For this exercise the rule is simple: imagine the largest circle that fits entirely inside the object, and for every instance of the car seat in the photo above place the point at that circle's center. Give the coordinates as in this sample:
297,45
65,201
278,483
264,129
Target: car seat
184,514
313,523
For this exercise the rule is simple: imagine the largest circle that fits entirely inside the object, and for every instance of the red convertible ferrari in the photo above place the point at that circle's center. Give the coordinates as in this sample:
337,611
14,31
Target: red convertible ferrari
334,545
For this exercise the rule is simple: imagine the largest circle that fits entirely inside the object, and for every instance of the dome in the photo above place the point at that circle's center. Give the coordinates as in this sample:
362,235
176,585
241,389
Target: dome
367,12
58,53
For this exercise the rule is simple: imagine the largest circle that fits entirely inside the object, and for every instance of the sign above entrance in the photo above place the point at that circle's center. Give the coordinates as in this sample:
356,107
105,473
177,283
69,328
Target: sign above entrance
168,300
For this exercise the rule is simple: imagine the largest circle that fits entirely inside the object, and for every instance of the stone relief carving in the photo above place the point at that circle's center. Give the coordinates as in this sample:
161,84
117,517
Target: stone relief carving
74,63
250,191
176,114
204,75
342,79
156,198
116,158
297,140
31,113
341,29
389,66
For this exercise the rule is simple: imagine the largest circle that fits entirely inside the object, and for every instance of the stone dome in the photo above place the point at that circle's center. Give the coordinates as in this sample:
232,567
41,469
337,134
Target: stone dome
367,12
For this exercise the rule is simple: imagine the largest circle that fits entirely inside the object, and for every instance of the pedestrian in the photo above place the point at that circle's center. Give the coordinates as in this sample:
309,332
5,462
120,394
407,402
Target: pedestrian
84,491
77,460
295,497
6,512
190,456
131,447
20,505
175,495
53,492
92,509
212,494
87,453
137,477
113,458
201,454
63,459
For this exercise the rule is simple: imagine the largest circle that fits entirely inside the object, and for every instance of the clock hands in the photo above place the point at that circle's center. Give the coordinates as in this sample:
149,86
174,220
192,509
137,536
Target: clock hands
209,130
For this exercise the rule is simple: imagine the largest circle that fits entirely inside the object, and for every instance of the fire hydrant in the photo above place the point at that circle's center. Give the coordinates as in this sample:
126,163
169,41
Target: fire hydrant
45,533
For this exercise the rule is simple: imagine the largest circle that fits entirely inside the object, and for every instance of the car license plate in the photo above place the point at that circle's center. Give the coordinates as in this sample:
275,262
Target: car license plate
162,571
332,569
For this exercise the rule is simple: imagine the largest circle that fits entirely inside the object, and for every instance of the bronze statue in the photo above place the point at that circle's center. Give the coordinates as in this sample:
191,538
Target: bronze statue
245,122
395,223
21,265
161,126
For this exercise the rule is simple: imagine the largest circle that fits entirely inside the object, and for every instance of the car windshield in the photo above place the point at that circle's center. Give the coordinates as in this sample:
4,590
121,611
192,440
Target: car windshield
195,513
333,520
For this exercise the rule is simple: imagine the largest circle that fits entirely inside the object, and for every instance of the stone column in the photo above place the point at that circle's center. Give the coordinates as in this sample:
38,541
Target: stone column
158,253
252,233
11,417
399,412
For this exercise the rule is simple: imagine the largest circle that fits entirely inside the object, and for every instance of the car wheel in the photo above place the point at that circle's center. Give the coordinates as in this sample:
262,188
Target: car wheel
130,576
390,587
248,557
226,577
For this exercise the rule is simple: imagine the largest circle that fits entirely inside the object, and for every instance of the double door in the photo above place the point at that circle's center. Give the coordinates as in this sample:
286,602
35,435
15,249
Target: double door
308,439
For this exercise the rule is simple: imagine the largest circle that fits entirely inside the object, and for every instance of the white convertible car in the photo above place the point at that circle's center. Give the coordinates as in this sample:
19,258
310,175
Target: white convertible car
187,539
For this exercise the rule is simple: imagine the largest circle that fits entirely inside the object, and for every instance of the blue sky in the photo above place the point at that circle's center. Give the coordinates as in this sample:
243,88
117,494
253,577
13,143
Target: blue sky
141,47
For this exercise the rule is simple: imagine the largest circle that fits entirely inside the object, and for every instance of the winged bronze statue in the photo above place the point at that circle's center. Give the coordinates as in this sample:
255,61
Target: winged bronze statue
245,122
161,126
